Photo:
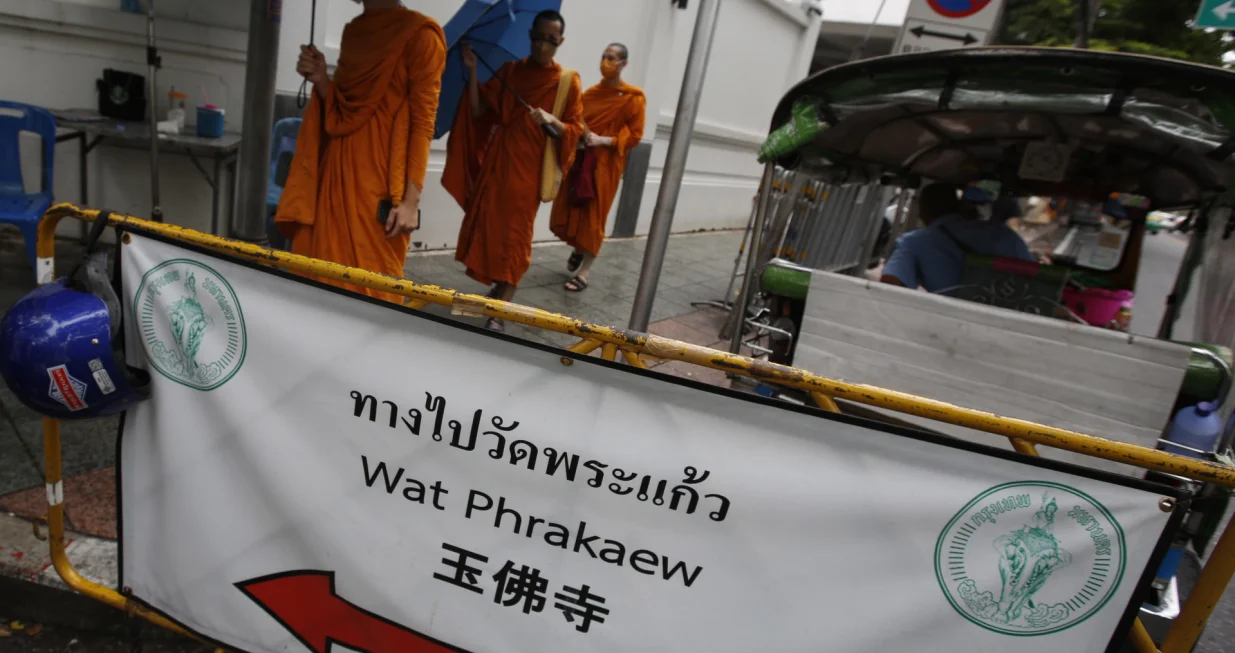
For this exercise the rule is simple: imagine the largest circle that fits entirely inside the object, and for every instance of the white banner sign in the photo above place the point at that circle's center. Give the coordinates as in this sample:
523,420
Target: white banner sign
316,470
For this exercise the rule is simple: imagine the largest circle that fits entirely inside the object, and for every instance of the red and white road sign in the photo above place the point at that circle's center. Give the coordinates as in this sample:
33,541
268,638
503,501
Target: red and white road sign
948,24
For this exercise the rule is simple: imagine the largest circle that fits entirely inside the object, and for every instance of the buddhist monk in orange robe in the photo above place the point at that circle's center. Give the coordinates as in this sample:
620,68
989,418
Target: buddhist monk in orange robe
495,153
364,141
613,113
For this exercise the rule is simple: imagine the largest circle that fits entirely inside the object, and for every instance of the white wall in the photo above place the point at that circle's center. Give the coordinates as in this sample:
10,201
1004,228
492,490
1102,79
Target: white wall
590,26
293,33
222,14
756,55
53,50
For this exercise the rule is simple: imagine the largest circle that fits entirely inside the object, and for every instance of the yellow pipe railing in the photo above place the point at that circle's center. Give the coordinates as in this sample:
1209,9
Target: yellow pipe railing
1141,641
55,538
1205,596
584,347
633,359
664,348
825,402
1139,636
634,346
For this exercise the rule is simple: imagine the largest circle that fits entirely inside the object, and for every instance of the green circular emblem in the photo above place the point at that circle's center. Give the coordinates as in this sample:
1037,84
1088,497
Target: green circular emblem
191,323
1030,558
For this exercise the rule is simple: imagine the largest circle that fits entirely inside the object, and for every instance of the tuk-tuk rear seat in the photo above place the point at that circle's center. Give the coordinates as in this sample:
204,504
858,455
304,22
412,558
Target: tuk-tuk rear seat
1096,381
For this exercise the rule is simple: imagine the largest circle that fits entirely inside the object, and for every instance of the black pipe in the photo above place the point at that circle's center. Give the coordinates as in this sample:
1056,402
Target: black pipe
261,63
1082,24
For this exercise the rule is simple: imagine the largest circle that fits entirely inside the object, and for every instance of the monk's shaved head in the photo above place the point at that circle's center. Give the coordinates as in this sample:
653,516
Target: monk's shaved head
547,34
623,52
549,16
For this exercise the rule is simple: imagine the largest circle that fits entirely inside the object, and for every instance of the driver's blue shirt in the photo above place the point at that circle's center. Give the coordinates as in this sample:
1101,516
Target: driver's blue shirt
929,258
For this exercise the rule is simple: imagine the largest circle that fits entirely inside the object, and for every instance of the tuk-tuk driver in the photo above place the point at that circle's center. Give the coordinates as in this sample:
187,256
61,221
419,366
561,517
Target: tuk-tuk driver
934,256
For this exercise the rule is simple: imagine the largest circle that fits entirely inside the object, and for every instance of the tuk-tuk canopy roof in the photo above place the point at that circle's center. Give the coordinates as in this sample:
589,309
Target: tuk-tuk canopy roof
1155,127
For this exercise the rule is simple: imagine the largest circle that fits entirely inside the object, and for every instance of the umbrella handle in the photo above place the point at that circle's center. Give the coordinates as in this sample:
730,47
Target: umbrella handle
548,130
302,98
501,81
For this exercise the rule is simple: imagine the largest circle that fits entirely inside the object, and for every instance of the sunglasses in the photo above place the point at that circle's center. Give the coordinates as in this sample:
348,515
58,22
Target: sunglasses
555,41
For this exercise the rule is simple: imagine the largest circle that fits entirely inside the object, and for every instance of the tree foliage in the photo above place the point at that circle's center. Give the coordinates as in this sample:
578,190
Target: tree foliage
1154,27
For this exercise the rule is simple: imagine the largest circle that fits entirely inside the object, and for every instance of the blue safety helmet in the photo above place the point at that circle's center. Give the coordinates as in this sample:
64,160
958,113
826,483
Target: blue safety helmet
60,348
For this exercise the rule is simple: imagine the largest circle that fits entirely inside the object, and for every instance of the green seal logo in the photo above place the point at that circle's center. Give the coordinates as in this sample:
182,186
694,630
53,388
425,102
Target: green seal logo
1030,558
191,324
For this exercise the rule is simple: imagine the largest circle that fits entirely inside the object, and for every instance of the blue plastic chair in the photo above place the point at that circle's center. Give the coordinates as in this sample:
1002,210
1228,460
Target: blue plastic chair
17,207
282,149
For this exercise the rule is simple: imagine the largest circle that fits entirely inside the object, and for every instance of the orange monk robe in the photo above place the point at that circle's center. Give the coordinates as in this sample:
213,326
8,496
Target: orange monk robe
493,167
608,111
364,142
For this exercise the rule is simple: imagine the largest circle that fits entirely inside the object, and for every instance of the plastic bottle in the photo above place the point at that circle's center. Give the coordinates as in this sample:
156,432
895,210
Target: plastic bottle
1196,427
175,110
1123,319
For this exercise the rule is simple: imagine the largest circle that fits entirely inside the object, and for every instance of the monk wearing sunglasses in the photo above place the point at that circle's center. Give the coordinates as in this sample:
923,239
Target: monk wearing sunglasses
511,139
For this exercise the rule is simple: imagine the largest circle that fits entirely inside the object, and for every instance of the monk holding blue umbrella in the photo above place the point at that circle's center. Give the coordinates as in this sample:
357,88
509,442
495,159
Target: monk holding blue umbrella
511,138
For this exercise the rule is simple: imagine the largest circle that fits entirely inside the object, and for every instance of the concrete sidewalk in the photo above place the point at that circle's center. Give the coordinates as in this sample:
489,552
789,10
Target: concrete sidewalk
697,268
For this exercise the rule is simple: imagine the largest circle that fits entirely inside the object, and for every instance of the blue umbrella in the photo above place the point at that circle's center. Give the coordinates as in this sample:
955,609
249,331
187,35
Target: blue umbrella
497,31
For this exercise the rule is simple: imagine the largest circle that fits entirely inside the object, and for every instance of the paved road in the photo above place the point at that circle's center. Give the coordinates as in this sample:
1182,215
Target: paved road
57,640
76,624
1159,266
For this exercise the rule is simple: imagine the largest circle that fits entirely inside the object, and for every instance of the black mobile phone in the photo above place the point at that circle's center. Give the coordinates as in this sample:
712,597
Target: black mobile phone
383,211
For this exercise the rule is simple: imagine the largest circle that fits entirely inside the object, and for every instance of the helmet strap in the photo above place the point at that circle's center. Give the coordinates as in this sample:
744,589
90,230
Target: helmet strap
92,242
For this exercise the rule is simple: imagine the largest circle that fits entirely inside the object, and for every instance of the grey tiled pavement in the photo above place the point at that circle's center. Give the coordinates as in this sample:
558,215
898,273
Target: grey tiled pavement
697,268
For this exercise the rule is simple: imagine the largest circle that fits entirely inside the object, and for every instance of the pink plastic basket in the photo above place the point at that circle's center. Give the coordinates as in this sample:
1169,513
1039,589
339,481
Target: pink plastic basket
1096,305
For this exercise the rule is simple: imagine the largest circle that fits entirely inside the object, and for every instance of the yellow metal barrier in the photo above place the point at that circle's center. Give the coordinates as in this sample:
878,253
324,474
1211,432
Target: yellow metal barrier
55,540
1139,636
633,359
1141,641
655,346
633,346
825,402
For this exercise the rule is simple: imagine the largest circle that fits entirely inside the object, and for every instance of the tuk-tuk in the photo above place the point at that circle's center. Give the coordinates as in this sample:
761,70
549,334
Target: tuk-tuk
1163,222
1120,139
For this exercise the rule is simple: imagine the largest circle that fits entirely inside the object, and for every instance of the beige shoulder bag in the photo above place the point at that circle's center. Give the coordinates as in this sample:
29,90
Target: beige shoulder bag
550,171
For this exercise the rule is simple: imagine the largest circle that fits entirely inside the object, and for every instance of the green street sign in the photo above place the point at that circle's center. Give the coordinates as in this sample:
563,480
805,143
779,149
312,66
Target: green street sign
1216,14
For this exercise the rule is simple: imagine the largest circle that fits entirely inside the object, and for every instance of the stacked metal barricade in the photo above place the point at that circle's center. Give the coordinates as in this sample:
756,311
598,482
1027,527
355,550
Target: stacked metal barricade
814,225
833,227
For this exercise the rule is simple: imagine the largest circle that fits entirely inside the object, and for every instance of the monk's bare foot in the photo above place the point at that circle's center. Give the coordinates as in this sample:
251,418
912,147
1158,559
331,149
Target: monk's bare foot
574,261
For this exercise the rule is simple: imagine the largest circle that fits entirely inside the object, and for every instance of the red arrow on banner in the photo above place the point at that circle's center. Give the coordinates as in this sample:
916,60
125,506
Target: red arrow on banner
305,603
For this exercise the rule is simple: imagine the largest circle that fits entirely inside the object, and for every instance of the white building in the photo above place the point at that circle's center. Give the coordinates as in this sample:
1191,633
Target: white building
54,50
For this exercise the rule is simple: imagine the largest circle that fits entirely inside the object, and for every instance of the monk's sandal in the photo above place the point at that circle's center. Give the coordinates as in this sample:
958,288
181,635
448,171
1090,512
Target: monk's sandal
578,284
